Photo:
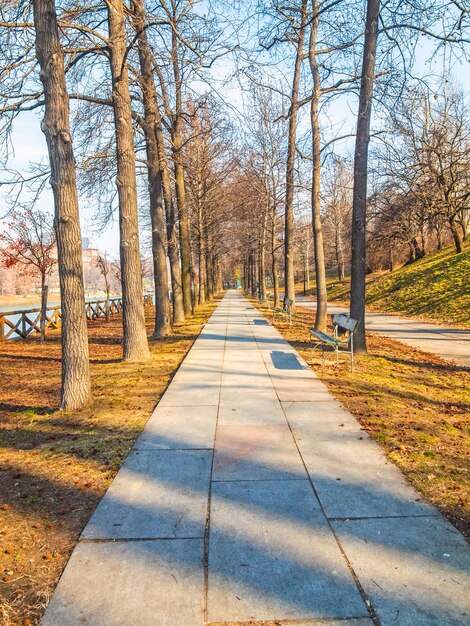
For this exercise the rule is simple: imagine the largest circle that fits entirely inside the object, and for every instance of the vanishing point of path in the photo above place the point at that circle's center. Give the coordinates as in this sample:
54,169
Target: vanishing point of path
253,497
452,344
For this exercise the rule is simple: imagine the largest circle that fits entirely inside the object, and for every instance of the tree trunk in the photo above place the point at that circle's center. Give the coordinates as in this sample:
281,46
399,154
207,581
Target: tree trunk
42,323
106,310
275,279
75,392
162,301
358,244
289,282
339,253
320,272
202,257
135,345
390,256
175,270
183,216
455,235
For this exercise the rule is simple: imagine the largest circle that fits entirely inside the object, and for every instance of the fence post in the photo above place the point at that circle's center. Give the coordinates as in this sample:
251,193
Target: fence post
2,328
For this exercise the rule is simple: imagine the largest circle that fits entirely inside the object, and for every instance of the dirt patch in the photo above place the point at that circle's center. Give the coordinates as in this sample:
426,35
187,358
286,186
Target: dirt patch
55,466
414,404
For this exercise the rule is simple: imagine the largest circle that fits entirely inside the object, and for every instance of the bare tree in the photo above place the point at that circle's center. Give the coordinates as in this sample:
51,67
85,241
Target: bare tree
290,164
135,345
56,128
151,114
30,242
358,235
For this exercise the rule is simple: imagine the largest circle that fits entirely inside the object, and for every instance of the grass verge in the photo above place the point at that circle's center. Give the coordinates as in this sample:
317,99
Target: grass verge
55,466
414,404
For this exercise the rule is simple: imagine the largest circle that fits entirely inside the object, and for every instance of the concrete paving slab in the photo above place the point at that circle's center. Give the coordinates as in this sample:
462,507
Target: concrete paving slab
260,408
191,394
415,572
300,389
158,494
179,428
256,452
135,583
351,474
272,556
195,375
227,393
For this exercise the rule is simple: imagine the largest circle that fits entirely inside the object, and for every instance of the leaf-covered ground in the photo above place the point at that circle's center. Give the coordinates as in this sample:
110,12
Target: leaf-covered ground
56,465
414,404
436,288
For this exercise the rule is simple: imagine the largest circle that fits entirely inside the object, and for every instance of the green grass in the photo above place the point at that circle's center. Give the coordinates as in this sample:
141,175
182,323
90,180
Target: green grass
434,288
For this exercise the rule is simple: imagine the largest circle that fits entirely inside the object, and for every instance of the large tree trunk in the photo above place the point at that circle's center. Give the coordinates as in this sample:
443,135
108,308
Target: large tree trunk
289,288
320,272
358,243
75,391
135,345
162,301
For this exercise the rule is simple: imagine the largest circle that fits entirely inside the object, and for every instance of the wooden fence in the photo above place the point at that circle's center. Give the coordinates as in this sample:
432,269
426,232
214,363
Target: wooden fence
20,324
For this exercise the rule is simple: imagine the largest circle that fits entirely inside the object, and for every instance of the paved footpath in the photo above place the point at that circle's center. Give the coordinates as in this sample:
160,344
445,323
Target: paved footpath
253,497
452,344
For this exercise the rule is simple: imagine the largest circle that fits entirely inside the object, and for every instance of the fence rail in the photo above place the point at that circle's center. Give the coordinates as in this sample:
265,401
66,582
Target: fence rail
20,324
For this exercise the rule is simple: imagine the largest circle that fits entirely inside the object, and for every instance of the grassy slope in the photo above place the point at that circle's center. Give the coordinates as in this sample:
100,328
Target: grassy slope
434,288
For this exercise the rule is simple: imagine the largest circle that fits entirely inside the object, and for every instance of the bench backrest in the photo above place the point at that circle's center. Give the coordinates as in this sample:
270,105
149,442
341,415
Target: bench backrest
342,320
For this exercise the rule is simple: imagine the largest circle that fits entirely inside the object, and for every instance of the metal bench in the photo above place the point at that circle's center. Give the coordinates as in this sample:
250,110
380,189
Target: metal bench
285,310
342,339
266,300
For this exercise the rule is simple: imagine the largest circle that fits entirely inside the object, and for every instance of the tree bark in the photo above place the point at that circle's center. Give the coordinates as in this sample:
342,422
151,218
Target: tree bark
358,243
162,301
455,236
289,288
135,345
75,392
320,271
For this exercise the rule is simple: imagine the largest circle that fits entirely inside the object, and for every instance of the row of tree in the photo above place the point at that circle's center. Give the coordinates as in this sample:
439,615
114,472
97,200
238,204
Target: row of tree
58,52
223,197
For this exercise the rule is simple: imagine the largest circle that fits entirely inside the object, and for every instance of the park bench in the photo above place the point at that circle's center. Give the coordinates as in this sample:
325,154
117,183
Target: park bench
285,310
342,339
266,300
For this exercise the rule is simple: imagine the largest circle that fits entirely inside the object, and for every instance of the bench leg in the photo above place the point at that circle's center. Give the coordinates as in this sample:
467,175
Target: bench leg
322,358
